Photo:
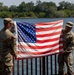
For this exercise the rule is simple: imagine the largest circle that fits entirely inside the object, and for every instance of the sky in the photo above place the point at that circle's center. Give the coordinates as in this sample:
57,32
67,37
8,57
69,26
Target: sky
17,2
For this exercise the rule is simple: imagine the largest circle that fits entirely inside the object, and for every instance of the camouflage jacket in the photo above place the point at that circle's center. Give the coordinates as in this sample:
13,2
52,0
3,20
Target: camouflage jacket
6,42
68,41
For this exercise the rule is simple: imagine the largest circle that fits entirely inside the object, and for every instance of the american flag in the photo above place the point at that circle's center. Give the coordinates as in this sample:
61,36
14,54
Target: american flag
39,39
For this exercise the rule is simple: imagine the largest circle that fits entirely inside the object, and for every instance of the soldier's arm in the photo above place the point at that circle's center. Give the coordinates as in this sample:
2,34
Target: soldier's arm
13,48
71,46
12,39
10,34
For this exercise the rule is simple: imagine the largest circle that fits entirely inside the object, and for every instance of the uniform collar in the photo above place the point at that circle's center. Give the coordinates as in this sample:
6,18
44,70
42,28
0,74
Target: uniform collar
69,32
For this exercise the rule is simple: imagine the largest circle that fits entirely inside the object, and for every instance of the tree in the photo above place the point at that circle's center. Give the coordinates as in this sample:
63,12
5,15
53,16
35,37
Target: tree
1,6
13,8
21,7
41,15
29,6
51,11
5,8
64,5
38,6
60,14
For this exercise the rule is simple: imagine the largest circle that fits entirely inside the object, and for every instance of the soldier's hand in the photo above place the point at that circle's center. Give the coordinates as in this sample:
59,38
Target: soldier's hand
63,52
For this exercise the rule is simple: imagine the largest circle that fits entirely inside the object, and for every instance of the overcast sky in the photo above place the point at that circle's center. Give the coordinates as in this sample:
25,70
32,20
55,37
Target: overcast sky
17,2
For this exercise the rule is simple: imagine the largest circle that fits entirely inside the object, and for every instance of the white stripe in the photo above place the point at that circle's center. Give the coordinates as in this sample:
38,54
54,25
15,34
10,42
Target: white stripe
48,32
39,44
38,55
49,37
38,50
48,26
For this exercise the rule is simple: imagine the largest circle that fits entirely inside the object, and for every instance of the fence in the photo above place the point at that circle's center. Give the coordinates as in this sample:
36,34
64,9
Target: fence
36,66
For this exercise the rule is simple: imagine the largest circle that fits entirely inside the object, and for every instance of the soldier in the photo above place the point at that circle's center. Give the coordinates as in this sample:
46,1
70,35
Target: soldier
68,43
12,29
6,52
13,42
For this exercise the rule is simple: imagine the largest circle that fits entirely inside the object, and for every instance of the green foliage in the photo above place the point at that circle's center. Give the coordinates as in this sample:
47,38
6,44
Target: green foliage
67,13
40,10
41,15
5,14
60,14
30,14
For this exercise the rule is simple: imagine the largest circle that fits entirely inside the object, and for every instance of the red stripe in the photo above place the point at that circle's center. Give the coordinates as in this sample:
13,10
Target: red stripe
47,29
50,51
48,23
20,58
47,40
39,47
51,34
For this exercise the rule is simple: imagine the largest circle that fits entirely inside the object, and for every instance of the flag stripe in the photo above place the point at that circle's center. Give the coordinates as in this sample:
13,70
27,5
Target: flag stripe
47,29
27,48
19,52
39,44
49,35
56,23
39,47
48,40
48,32
20,56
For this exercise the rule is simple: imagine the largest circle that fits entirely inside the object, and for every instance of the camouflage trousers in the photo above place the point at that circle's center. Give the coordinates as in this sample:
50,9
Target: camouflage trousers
68,60
6,65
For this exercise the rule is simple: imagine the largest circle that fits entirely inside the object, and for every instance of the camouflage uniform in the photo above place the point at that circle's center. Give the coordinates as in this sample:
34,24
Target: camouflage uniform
13,41
6,51
68,43
12,29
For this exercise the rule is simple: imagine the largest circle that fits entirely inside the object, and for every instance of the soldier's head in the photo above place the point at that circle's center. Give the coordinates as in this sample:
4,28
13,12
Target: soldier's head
12,23
12,29
7,22
69,26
